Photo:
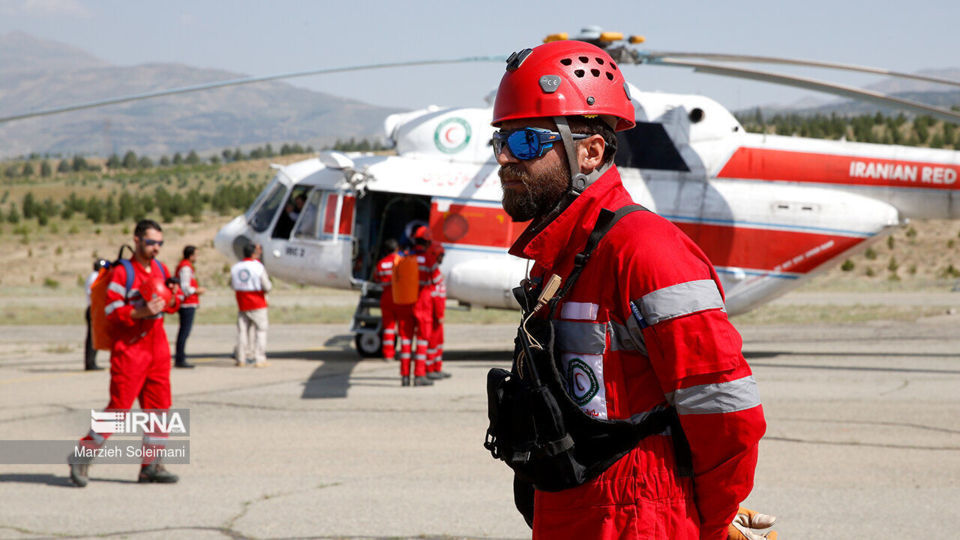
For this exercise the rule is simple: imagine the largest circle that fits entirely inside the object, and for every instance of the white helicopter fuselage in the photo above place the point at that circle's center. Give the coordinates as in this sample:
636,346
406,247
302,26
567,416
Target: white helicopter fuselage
769,211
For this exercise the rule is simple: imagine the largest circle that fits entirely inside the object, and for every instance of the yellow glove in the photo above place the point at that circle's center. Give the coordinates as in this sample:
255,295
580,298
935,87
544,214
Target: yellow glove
746,520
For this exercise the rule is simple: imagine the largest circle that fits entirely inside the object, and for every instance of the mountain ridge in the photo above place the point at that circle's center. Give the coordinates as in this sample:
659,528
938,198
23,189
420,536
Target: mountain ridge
39,74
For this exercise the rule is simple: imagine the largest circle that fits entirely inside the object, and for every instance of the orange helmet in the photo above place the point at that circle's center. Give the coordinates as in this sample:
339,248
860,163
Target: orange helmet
563,78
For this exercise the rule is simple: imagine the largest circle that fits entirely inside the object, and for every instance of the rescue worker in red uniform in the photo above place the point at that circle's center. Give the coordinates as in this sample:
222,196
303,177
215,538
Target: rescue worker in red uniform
140,352
423,308
645,324
384,275
439,300
190,291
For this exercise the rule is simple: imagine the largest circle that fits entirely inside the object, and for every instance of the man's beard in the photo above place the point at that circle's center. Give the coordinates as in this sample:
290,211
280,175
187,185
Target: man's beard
537,196
145,254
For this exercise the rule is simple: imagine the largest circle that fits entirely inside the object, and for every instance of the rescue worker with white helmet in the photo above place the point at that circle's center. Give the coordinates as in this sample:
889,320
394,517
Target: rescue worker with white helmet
643,327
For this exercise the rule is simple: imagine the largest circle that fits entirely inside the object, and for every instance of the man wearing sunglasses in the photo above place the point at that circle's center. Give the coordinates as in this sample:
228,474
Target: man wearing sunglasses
643,327
140,352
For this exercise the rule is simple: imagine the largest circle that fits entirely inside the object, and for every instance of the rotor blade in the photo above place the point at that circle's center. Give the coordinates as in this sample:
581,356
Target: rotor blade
812,84
244,80
797,62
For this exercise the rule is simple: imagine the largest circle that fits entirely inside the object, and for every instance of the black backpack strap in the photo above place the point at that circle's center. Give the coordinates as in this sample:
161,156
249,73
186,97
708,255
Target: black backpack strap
605,221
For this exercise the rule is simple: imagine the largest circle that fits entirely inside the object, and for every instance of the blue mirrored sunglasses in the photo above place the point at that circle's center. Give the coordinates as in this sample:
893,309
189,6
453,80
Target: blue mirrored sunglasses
151,242
527,143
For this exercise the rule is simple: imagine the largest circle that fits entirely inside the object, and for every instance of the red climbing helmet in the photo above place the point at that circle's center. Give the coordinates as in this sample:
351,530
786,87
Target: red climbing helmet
153,287
563,78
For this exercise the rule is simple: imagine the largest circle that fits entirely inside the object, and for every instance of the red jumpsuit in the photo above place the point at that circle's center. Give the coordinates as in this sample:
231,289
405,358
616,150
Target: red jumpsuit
645,325
423,309
407,328
139,355
383,275
439,302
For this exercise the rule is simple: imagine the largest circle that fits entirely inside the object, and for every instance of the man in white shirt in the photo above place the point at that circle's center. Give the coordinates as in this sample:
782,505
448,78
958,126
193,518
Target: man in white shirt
249,280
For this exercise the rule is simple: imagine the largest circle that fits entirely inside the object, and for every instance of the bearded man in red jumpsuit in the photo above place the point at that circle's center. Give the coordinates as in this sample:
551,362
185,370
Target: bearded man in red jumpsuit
140,352
645,324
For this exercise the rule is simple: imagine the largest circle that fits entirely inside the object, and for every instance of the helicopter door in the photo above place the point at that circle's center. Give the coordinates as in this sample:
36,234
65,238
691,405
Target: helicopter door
381,216
318,251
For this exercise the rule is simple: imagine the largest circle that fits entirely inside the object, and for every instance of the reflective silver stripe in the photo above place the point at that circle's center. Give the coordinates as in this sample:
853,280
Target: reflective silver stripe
155,441
580,337
117,288
405,341
421,357
96,437
626,338
108,309
390,331
727,397
584,311
679,300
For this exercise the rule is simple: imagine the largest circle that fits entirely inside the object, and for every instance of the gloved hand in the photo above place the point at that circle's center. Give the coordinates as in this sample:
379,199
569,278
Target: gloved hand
746,521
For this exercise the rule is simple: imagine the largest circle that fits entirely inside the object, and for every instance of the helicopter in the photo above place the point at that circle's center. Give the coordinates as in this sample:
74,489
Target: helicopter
769,211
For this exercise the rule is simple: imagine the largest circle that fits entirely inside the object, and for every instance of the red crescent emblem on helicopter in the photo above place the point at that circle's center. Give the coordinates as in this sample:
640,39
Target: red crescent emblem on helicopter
447,135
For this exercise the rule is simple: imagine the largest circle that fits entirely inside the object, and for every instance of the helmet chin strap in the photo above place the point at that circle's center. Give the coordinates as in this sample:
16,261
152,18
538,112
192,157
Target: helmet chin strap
578,180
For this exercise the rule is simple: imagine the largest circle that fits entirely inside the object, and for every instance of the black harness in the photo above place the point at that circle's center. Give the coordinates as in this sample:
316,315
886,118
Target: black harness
536,428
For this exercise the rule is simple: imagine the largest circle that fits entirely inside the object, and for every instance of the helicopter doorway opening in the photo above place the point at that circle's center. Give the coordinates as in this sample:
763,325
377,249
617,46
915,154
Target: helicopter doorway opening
380,216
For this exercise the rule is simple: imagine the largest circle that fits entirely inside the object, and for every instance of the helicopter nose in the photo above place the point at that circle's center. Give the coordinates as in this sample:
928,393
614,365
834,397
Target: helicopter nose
228,235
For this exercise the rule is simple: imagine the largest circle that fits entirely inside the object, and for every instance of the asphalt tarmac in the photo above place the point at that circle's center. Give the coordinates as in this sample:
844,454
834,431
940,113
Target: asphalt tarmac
863,438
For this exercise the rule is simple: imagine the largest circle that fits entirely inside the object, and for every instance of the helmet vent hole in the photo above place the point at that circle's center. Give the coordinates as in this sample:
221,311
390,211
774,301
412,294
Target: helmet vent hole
613,66
609,76
566,61
579,73
599,60
584,59
595,72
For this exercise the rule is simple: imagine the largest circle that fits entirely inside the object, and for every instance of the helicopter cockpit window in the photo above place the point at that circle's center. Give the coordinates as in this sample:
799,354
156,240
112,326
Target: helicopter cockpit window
271,200
647,146
291,212
307,225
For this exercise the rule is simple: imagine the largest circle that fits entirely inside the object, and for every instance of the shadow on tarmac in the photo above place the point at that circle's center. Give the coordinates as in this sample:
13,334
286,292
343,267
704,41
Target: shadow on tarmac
26,478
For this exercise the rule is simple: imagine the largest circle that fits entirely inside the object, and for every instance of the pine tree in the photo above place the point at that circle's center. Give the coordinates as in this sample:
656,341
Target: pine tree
130,160
13,215
29,206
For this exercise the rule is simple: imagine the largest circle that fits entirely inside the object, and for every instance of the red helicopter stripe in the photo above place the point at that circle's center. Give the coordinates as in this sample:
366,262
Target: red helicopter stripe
783,165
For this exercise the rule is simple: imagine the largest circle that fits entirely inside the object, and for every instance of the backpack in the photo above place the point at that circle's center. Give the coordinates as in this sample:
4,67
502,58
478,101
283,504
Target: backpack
99,325
405,282
536,428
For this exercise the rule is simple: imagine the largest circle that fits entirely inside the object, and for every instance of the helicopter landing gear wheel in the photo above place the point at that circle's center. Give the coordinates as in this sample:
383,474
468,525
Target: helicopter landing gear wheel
369,344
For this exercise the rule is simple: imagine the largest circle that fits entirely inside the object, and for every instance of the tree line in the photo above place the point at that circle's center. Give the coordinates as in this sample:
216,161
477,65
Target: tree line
126,206
45,166
878,128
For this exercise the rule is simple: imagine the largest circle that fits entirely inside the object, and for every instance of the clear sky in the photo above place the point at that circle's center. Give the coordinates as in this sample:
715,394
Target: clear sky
266,37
